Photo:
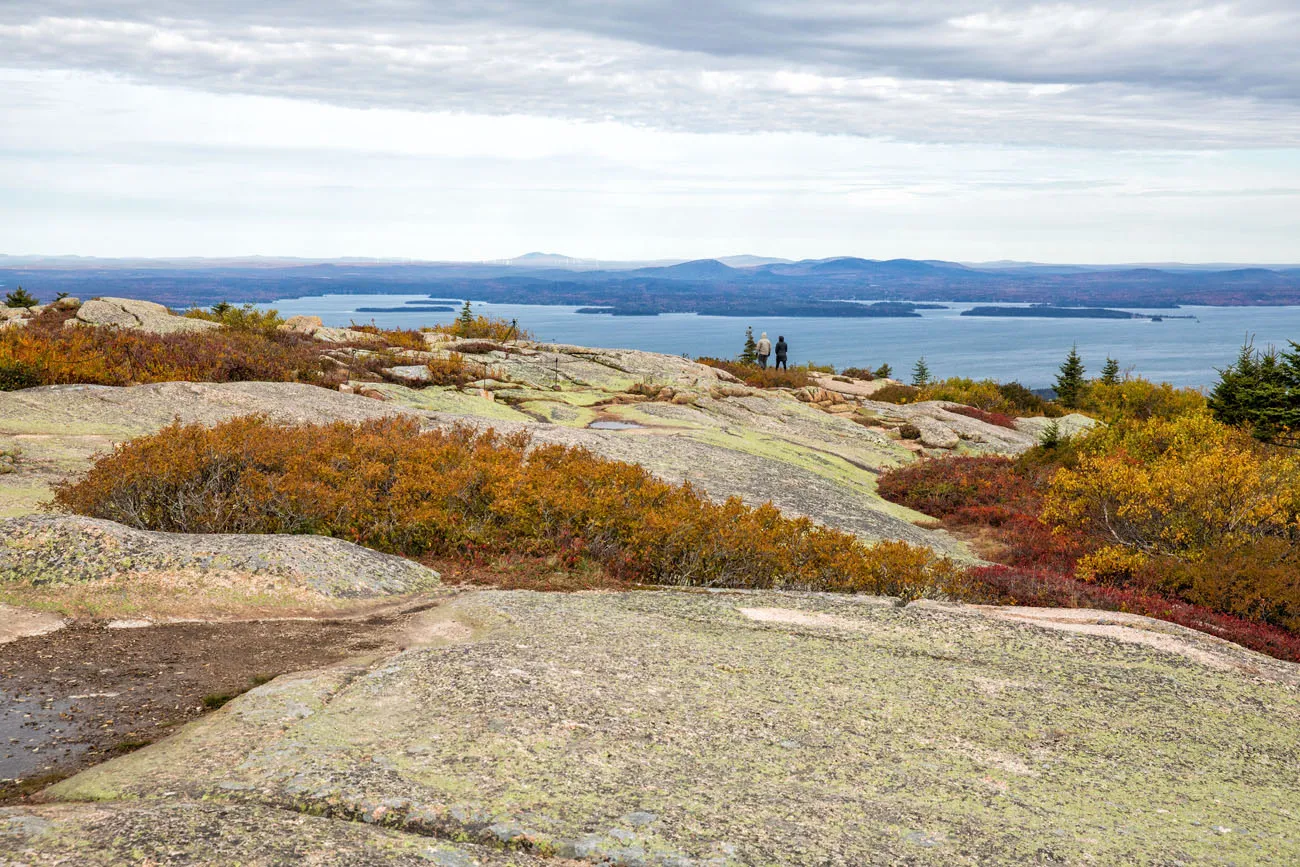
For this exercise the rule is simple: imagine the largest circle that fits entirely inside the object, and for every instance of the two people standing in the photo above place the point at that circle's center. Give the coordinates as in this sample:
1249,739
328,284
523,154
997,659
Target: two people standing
765,349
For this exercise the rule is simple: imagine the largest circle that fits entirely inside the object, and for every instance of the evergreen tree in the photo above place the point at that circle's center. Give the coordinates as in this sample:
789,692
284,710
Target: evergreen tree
1070,384
1260,392
921,373
884,371
1110,373
466,317
20,297
749,355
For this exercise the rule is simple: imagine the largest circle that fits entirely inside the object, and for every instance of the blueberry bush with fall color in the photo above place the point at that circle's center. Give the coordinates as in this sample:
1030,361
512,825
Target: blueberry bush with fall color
389,485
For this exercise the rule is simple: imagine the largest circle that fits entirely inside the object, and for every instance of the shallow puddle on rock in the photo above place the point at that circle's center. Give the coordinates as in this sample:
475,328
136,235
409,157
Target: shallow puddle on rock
615,425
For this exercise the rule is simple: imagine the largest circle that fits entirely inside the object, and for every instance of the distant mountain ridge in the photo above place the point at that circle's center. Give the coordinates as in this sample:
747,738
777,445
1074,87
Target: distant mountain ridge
741,285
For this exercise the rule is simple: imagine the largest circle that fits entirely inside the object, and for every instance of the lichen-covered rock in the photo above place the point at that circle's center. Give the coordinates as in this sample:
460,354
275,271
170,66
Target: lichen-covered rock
341,335
1070,425
761,728
189,834
44,550
760,446
136,315
302,324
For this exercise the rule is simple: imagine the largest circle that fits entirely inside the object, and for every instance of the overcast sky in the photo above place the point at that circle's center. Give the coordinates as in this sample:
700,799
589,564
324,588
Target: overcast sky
1099,131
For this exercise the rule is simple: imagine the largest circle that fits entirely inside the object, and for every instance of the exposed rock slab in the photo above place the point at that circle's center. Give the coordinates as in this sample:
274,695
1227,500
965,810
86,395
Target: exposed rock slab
48,550
758,446
137,315
181,833
757,728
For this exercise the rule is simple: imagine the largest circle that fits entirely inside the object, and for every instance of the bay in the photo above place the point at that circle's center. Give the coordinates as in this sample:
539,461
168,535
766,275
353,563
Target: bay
1029,351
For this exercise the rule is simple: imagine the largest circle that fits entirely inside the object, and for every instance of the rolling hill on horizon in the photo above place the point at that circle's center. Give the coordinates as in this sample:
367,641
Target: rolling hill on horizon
750,285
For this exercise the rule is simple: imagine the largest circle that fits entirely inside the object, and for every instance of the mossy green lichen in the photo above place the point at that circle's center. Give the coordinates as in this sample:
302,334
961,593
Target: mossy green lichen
921,735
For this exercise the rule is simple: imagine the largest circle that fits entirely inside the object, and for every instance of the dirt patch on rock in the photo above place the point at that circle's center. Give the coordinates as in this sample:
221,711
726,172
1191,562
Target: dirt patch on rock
87,692
18,623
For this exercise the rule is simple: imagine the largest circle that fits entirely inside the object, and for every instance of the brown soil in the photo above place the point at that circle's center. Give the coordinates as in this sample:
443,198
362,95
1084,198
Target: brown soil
514,572
72,698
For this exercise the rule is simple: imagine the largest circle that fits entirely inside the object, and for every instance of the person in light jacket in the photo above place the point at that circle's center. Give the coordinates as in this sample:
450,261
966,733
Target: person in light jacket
782,352
764,350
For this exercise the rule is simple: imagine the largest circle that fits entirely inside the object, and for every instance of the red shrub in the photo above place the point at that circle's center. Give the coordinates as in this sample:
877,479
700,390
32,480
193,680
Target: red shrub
1046,588
944,486
994,418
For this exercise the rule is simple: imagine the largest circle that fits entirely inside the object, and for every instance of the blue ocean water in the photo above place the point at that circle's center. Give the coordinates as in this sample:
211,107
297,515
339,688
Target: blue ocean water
1183,352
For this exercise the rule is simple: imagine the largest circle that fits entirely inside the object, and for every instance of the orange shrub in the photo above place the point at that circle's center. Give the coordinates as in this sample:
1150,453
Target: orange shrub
403,338
388,485
897,394
108,356
454,370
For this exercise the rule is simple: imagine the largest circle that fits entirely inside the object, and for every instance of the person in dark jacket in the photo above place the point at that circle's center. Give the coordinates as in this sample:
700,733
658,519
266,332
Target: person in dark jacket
782,350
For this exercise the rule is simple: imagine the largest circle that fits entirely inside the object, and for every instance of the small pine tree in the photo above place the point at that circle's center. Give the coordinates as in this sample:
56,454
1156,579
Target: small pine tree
466,317
20,297
884,371
749,355
221,308
1110,372
921,373
1070,383
1051,437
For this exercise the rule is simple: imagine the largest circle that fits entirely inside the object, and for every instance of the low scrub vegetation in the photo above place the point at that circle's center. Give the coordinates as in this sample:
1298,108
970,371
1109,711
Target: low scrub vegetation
244,318
46,353
1139,399
390,486
455,370
758,377
897,393
472,326
401,338
1180,518
994,418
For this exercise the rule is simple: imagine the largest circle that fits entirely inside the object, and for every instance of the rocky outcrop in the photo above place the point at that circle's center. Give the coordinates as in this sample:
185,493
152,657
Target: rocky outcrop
302,324
760,446
1067,425
136,315
676,728
47,550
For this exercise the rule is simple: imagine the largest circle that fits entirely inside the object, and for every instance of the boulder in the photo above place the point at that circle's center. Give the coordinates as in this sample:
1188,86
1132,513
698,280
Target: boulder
66,303
136,315
341,335
41,550
417,373
1069,425
302,324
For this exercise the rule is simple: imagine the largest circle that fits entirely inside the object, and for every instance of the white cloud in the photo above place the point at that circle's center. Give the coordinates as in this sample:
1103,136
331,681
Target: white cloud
1092,131
99,166
1096,74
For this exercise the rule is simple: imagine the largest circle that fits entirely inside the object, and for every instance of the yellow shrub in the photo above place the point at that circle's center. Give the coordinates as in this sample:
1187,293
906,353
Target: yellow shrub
1113,564
1179,487
1139,399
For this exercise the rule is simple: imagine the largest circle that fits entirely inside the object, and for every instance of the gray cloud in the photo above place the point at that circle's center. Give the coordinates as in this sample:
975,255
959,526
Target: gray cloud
1099,73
